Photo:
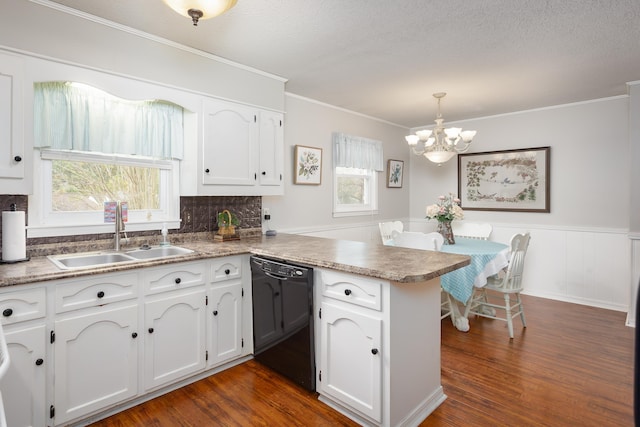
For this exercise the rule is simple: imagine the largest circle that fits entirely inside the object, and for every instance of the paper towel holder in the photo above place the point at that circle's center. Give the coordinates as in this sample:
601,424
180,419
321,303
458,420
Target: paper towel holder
13,208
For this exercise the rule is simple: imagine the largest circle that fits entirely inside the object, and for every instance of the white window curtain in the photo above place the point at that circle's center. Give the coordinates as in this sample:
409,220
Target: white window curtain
357,152
71,116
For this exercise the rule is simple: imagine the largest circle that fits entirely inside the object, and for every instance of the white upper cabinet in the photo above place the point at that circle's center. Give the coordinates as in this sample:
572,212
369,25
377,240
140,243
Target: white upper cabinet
13,151
242,151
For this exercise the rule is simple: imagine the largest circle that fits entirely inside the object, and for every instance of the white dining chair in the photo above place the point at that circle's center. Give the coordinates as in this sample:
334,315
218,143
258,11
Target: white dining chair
472,230
426,241
386,228
485,301
416,240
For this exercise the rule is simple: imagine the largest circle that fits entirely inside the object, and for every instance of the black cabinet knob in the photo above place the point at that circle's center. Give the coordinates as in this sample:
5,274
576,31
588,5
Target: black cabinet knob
215,312
374,351
264,173
39,362
134,335
17,158
227,271
347,291
100,294
7,312
150,330
206,170
178,280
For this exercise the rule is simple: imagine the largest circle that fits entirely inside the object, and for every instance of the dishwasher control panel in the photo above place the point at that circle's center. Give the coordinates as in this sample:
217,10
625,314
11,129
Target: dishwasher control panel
279,269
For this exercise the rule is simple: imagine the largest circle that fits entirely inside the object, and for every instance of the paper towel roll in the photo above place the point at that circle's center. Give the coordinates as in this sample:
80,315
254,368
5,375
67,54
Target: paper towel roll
14,238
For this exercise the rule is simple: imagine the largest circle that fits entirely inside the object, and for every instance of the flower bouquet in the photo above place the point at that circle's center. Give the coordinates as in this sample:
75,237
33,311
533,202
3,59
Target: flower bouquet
446,210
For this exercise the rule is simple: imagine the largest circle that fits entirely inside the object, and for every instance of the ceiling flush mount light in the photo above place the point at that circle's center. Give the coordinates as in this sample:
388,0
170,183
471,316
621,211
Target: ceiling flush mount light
440,144
200,9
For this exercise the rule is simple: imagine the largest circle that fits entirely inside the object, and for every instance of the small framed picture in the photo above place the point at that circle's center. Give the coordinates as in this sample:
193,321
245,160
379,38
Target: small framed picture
307,165
395,169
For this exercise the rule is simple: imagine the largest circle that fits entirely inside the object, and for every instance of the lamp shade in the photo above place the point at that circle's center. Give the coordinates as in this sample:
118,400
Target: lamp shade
439,157
209,8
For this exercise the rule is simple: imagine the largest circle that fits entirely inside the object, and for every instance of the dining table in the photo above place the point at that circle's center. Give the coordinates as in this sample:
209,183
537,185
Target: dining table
487,259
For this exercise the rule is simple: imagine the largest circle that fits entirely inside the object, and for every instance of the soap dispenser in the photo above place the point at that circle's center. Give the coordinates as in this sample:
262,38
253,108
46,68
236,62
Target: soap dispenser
165,233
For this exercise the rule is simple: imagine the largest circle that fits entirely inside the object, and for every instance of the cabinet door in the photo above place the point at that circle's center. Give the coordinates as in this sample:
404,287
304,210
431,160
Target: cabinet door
175,337
225,322
229,145
23,385
351,359
271,149
11,117
96,359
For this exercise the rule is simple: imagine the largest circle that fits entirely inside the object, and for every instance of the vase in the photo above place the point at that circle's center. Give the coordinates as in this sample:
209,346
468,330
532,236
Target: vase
444,228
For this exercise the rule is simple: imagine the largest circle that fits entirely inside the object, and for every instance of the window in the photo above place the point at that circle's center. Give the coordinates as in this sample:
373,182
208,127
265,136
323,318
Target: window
355,191
356,163
92,147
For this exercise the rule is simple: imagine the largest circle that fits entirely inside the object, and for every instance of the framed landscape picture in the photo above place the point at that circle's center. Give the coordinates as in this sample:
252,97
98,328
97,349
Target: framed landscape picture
307,165
395,170
509,180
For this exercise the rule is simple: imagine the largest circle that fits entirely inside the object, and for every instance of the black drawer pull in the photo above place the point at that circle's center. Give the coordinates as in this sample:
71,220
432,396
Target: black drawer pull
39,362
178,280
227,272
347,291
134,335
374,351
215,312
100,294
150,330
17,159
206,170
7,312
264,173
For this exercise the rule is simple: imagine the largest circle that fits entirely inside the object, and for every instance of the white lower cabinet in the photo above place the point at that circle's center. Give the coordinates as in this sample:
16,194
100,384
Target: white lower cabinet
378,350
96,359
350,359
175,336
224,322
24,384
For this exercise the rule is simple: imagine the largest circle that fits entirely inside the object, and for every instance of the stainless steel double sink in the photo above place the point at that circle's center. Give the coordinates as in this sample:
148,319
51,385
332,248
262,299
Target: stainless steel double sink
97,259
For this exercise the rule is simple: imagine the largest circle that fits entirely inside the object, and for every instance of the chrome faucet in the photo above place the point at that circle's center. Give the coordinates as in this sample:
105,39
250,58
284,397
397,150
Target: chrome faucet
119,225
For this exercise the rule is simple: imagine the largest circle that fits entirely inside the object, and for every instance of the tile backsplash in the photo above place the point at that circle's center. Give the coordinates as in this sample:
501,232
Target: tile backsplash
198,213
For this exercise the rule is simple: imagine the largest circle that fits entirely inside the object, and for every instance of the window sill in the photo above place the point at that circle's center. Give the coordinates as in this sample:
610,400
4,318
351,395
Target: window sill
74,230
355,213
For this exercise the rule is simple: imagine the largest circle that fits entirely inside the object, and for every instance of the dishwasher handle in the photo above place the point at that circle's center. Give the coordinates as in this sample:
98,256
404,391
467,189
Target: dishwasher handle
274,276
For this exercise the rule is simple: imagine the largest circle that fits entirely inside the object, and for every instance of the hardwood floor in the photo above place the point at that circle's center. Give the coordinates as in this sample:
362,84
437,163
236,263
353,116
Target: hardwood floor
572,366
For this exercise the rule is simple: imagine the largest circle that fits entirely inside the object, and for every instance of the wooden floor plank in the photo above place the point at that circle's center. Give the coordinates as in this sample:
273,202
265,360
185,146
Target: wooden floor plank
572,366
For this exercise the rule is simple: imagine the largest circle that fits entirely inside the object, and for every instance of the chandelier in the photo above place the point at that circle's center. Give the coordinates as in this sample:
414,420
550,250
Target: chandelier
200,9
440,144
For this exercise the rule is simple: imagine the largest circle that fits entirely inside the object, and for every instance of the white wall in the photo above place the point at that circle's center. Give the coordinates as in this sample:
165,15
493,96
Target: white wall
308,208
580,251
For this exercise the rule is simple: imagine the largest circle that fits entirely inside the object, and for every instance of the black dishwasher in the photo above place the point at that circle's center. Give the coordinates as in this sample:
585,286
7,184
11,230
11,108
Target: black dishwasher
283,319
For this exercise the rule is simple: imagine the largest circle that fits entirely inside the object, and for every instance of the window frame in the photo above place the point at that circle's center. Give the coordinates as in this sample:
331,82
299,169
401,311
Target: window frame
371,208
44,222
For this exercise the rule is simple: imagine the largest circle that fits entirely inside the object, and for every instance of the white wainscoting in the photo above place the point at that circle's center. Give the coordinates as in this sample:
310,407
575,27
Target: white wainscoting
584,266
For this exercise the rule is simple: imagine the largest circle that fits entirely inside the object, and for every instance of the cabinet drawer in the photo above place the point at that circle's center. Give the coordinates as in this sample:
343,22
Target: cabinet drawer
226,268
95,291
175,276
362,291
22,305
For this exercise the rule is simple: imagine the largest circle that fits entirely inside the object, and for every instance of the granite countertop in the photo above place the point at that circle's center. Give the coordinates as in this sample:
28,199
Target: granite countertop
368,259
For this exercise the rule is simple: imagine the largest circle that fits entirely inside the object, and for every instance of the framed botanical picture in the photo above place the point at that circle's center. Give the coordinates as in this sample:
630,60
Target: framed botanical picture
509,180
395,169
307,165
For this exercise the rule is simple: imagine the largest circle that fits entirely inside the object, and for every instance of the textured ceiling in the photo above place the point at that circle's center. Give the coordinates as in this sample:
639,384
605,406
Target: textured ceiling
385,58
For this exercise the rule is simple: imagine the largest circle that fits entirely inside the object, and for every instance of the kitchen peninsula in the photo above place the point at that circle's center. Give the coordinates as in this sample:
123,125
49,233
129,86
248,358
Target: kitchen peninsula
388,322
